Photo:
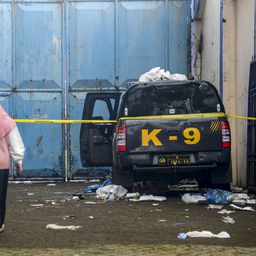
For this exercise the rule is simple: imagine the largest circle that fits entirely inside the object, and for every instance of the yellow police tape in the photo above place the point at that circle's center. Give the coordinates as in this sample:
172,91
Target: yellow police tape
186,116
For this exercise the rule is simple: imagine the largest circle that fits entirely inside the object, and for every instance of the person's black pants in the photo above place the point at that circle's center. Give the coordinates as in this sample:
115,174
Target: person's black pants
3,192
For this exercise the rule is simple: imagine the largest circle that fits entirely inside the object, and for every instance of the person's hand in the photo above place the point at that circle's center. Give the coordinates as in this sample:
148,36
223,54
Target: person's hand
19,168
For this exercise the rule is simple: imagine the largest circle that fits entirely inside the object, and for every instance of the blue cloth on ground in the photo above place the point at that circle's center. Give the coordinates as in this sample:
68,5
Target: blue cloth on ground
218,196
94,187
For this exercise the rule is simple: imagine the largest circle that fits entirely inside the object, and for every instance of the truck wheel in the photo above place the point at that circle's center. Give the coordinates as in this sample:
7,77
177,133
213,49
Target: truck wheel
122,177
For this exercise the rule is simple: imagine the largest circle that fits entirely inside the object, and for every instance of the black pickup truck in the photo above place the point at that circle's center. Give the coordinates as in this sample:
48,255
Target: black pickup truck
160,131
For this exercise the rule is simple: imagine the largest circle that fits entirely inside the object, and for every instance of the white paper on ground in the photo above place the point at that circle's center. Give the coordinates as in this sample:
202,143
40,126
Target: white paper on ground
149,198
247,208
224,211
58,227
133,195
188,198
228,220
207,234
214,206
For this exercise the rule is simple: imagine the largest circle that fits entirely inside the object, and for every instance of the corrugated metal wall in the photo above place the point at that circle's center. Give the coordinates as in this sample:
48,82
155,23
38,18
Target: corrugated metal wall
53,52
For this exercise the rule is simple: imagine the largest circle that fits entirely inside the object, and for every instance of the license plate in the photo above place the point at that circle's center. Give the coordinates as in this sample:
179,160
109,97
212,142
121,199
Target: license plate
174,159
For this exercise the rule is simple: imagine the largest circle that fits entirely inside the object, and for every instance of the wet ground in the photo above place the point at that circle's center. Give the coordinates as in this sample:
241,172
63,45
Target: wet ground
116,227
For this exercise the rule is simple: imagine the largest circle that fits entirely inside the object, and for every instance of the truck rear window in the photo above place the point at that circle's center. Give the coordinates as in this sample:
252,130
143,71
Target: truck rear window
171,99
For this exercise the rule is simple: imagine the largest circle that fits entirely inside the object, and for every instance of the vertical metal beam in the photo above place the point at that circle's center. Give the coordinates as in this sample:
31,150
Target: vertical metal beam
116,42
167,35
65,88
254,29
221,52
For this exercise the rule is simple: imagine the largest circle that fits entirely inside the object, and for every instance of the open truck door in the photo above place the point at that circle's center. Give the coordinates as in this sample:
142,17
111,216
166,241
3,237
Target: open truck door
96,136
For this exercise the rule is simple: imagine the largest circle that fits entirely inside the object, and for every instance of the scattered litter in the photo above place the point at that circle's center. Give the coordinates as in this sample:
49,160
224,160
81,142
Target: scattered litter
224,211
88,202
247,208
218,196
239,201
28,182
75,198
228,220
69,217
111,192
251,201
58,227
149,198
178,224
238,196
186,210
79,195
30,194
94,187
37,205
214,206
132,195
162,220
192,198
187,217
182,236
236,189
51,185
158,210
204,234
90,217
155,204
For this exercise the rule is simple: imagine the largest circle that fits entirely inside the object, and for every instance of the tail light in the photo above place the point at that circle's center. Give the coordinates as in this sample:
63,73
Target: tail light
121,138
226,137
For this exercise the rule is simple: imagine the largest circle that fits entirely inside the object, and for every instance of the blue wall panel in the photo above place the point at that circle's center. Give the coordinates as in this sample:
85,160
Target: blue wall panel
54,51
91,40
38,46
5,45
141,38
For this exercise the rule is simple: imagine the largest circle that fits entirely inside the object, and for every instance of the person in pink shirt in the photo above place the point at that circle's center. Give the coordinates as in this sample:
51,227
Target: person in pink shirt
12,145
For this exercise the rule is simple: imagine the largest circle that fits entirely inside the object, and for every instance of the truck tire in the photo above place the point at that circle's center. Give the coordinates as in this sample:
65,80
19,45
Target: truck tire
122,177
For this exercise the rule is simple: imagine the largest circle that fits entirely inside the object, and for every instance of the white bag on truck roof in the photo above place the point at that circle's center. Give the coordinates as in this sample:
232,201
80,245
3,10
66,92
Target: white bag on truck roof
158,74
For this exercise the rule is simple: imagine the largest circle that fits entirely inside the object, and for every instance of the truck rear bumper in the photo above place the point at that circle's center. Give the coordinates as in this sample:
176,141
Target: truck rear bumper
173,169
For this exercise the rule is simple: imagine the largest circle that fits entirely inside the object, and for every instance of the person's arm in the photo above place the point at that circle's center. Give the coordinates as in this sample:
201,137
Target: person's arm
16,148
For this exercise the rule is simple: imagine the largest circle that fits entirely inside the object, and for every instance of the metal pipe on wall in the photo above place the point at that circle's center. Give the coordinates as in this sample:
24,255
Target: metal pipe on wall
221,52
254,29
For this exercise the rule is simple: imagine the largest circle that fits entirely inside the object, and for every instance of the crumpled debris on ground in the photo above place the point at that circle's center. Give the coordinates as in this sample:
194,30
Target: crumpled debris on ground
185,184
149,198
203,234
158,74
111,192
59,227
132,195
225,211
247,208
192,198
214,206
228,220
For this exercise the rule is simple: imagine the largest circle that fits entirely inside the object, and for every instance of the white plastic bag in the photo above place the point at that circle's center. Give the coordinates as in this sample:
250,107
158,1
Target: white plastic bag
111,192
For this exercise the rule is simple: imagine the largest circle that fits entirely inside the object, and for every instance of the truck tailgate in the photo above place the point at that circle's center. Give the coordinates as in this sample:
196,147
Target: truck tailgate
168,135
